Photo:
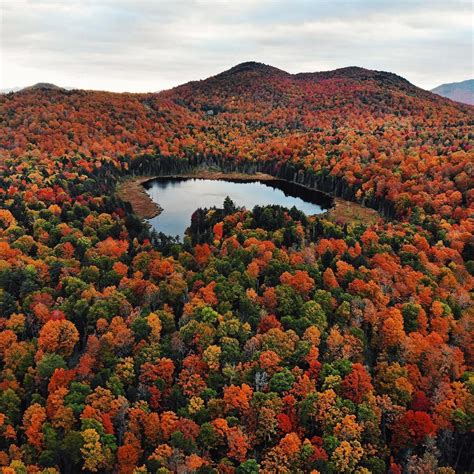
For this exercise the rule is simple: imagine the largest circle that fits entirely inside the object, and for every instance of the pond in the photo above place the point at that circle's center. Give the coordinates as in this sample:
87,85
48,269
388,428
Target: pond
180,197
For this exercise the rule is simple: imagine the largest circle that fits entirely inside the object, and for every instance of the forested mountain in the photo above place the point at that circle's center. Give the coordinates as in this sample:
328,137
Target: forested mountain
268,341
39,85
458,91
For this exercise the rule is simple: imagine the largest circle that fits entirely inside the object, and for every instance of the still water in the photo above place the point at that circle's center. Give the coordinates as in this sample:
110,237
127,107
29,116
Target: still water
180,197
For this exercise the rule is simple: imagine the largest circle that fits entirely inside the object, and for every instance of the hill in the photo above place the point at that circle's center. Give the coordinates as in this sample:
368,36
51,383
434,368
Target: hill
266,86
267,341
42,86
458,91
37,86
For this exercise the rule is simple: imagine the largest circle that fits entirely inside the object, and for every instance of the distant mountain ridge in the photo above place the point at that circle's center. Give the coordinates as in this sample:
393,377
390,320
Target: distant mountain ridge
254,69
459,91
244,74
335,92
43,85
37,86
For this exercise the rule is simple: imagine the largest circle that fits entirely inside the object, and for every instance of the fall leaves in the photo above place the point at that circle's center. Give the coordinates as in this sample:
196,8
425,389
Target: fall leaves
59,336
268,341
231,352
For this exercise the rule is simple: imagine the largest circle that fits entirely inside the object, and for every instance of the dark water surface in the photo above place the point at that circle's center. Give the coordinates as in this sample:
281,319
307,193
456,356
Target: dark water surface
180,197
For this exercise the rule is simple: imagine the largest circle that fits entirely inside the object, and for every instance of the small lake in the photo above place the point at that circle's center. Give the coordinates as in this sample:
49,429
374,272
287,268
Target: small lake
180,197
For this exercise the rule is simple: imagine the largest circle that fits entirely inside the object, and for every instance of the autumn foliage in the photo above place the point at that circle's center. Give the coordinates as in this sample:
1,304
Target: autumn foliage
266,341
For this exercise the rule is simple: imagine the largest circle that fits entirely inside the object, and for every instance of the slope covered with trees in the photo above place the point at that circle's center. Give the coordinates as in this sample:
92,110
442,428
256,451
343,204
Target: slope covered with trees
267,341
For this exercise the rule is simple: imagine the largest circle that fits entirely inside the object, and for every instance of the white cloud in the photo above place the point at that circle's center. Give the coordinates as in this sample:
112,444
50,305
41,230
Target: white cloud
139,45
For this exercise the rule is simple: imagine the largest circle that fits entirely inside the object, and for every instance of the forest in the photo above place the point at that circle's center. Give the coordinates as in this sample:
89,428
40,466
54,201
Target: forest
267,341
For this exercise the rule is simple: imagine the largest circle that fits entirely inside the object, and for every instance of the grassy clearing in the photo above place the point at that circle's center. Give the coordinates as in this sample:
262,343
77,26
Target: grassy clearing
347,212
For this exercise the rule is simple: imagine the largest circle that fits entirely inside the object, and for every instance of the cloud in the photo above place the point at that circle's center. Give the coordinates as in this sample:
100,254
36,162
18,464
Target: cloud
139,45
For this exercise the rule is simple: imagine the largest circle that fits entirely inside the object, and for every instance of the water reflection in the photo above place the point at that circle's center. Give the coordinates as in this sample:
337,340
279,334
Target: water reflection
180,197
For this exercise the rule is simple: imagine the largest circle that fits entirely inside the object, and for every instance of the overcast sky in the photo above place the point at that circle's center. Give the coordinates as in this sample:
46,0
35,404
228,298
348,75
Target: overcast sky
150,45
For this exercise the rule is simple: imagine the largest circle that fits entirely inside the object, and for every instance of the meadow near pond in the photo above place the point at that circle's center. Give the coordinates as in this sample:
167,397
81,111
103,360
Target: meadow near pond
180,197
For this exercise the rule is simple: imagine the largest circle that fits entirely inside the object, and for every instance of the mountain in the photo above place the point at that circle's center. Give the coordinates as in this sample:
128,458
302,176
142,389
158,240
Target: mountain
458,91
37,86
256,75
256,68
43,86
268,341
257,95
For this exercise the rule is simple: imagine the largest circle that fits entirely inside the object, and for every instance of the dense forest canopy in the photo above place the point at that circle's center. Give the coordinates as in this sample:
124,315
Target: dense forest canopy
268,341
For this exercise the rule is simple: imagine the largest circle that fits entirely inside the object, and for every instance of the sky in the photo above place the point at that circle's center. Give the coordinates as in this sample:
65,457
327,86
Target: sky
151,45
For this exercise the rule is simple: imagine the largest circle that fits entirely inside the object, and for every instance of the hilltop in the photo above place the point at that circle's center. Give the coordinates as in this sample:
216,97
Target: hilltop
257,93
43,86
37,86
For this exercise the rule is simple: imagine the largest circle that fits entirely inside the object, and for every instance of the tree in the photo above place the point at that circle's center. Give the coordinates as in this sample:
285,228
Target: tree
315,315
346,456
300,281
357,384
238,444
112,248
412,428
91,450
58,336
48,364
33,420
71,449
237,398
282,381
329,279
218,230
202,253
290,444
128,457
248,467
392,329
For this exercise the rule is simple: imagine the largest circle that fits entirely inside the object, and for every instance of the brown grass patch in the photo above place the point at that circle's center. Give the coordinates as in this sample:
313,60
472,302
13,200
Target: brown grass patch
132,191
347,212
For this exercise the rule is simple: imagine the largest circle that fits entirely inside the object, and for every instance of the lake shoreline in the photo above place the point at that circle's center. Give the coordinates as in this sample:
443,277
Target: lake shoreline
132,190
